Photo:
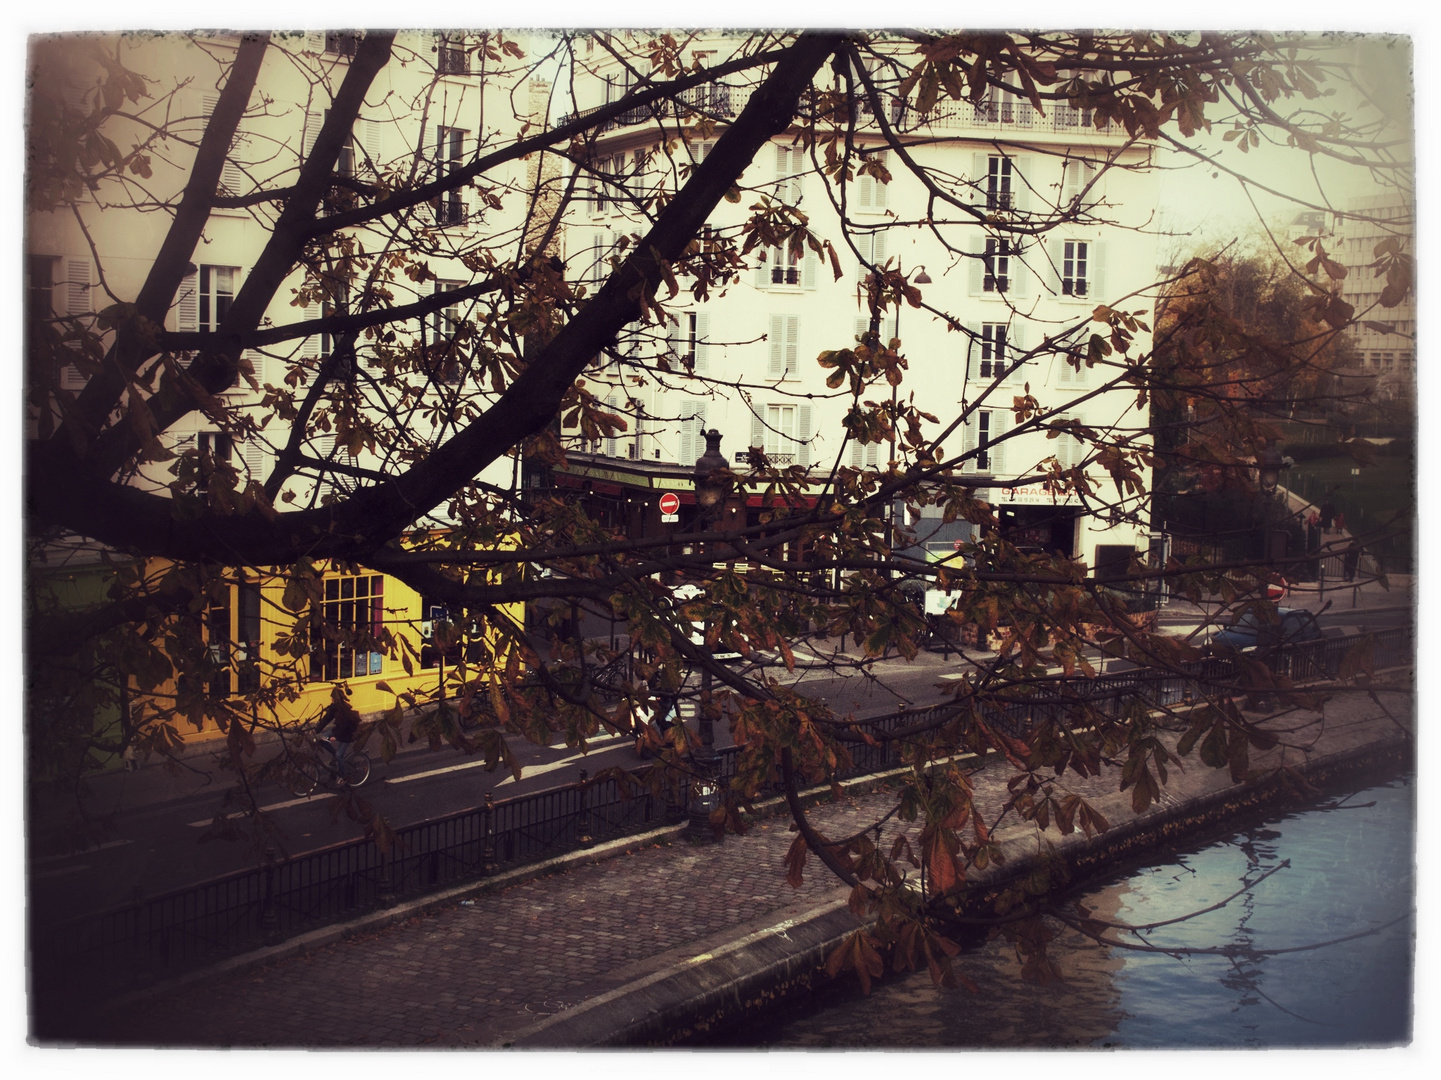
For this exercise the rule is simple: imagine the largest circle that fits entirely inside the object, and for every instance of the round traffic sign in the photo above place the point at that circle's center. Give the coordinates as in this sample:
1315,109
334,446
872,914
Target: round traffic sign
670,503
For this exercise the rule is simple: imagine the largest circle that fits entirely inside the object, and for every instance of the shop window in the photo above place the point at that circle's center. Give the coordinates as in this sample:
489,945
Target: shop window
350,620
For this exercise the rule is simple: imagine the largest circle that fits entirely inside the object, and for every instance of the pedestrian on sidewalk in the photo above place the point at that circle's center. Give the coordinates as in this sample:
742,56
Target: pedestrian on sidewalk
346,720
1352,561
1340,521
1328,515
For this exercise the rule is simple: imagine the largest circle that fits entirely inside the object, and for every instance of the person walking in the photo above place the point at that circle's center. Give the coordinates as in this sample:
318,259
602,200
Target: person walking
1328,514
345,719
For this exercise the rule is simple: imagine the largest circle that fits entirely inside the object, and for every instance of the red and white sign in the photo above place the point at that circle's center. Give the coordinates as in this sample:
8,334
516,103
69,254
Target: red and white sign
670,507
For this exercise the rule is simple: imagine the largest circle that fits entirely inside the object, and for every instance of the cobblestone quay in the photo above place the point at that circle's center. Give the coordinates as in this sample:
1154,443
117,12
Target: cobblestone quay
647,940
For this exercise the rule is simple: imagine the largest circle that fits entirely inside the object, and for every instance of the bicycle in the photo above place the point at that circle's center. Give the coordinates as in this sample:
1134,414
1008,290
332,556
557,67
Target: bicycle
305,774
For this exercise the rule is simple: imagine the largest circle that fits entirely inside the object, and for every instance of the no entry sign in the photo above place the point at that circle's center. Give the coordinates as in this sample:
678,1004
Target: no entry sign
670,507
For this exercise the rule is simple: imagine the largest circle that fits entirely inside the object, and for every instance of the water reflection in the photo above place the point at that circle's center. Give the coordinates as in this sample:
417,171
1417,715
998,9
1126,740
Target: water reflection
1344,869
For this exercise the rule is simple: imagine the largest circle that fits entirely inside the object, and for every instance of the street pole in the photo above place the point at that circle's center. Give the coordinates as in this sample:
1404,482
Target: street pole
710,492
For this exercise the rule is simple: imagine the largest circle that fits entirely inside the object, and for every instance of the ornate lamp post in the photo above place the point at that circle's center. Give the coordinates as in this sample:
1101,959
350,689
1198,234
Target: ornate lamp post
710,495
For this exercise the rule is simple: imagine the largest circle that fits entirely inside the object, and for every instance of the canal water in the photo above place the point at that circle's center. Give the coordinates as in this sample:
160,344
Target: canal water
1350,872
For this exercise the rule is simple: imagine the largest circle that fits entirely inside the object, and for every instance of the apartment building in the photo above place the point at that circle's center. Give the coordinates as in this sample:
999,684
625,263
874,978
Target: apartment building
744,363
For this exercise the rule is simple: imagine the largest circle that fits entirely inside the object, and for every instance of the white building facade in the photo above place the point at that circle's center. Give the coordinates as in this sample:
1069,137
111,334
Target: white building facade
744,362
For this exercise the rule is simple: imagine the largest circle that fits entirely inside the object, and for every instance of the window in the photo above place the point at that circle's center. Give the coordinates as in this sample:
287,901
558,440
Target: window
997,265
993,351
784,334
39,289
981,434
784,433
350,620
446,324
217,293
342,42
689,347
784,268
451,55
449,157
338,305
1075,268
217,640
247,645
998,184
213,628
215,449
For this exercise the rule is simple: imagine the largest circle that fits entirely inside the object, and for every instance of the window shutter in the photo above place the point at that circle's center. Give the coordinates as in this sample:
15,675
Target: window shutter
75,300
968,443
310,344
1096,286
777,347
611,442
692,442
978,266
313,120
1015,349
803,433
187,308
763,268
372,142
1078,174
974,346
675,341
1017,276
1000,424
256,360
808,268
792,344
231,178
702,344
253,455
980,172
1020,182
758,432
870,192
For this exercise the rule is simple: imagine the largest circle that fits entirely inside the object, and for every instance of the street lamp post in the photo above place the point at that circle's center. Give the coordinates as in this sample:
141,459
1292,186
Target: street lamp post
710,495
1269,468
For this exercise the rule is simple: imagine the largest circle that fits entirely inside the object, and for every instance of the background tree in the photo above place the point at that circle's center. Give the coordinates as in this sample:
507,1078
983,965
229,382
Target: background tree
514,371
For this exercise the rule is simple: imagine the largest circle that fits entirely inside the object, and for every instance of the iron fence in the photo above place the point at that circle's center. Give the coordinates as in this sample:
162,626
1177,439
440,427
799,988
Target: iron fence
103,954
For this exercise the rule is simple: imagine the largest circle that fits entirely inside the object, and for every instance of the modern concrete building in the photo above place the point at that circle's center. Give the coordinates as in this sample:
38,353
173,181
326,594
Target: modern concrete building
1384,338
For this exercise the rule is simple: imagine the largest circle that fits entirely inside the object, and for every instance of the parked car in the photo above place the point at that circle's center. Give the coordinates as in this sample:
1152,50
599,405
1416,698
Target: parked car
1250,630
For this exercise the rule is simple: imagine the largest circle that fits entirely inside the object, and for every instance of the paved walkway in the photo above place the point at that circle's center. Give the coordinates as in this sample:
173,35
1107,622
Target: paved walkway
523,960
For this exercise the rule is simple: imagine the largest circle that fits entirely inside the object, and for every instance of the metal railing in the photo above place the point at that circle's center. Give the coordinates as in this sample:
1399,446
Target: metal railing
990,116
102,954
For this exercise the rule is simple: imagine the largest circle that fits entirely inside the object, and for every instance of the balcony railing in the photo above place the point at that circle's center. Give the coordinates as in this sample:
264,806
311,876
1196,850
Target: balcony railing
777,461
989,115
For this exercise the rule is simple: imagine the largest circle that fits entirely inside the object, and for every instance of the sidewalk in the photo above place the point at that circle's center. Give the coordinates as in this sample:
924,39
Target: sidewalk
637,942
